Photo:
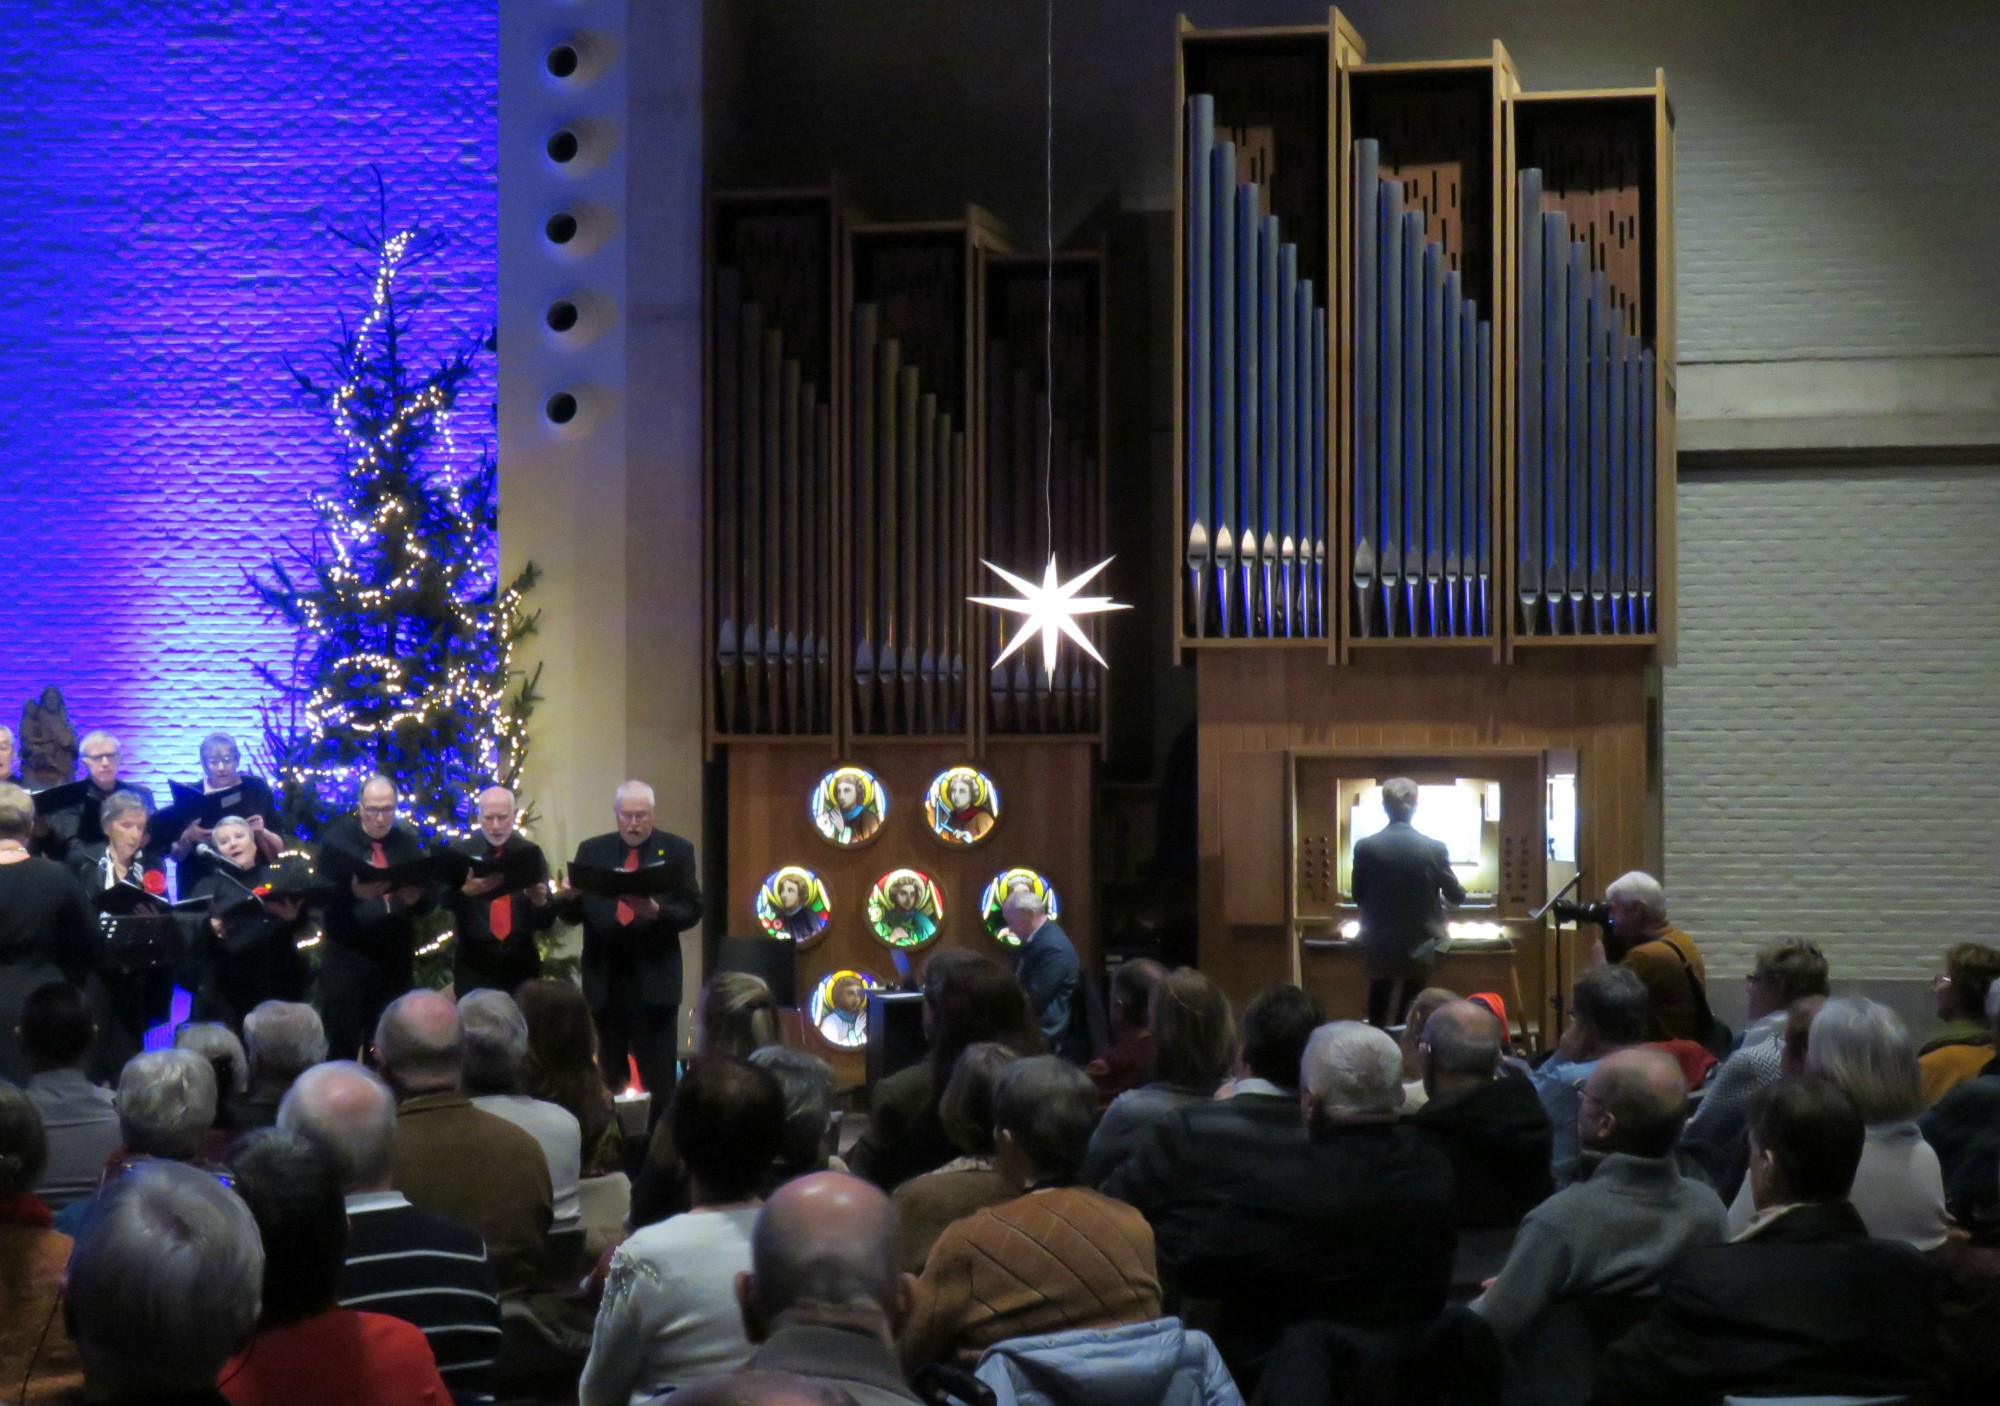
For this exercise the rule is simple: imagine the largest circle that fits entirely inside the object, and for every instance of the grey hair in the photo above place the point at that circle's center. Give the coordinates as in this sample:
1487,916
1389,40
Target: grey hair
284,1038
166,1102
17,812
164,1281
96,734
1463,1038
1642,891
1613,1000
1050,1107
218,739
1352,1068
1023,901
494,1034
1864,1047
7,732
356,1134
1399,796
1993,1004
219,1046
633,788
119,803
808,1082
231,821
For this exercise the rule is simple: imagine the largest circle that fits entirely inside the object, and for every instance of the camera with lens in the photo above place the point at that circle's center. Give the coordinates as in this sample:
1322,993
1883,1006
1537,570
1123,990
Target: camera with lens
1593,914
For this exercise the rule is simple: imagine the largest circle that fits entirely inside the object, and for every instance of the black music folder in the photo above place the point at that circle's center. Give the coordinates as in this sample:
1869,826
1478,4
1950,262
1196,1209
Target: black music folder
342,867
648,881
192,805
520,867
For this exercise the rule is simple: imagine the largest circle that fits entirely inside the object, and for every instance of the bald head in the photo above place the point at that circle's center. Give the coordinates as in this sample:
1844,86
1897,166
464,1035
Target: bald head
1463,1039
825,1247
1634,1102
378,807
350,1116
495,811
417,1043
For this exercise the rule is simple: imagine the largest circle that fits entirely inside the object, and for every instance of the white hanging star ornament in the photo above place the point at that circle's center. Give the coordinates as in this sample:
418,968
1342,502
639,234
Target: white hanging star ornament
1051,610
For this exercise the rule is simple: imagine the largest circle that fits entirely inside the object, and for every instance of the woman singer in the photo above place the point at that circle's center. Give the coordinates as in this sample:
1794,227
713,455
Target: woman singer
248,952
132,987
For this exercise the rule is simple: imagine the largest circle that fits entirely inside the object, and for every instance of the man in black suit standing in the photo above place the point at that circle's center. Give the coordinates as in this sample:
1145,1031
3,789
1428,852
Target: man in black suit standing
371,930
1803,1303
1049,972
496,931
1402,880
632,946
75,826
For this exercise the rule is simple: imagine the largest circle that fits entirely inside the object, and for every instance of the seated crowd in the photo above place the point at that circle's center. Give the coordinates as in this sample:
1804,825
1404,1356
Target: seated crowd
1280,1208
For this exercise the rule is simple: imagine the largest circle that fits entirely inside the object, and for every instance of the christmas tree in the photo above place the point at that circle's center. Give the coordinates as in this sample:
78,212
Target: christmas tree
404,657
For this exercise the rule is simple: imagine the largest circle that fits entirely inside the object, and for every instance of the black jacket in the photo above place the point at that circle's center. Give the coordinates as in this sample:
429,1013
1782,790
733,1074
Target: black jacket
74,827
1353,1224
1963,1128
1399,875
1188,1170
654,947
384,929
257,800
480,959
1807,1306
1497,1137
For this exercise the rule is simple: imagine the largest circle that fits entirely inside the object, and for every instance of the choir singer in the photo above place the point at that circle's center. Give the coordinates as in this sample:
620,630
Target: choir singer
498,915
632,945
371,928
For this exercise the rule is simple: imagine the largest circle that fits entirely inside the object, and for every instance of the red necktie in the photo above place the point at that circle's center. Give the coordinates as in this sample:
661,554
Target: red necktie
501,917
379,859
625,913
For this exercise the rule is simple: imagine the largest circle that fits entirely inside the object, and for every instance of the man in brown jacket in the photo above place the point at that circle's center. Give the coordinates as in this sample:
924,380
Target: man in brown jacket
452,1159
1664,957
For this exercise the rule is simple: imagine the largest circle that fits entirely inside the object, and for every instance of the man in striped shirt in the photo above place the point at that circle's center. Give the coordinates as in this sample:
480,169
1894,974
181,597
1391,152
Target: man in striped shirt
420,1267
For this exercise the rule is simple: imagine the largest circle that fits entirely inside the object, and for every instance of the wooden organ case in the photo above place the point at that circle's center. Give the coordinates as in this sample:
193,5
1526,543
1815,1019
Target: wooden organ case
1463,442
882,414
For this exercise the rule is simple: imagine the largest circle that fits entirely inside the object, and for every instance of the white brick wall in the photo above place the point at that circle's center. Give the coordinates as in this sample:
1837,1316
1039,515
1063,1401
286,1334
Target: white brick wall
1832,759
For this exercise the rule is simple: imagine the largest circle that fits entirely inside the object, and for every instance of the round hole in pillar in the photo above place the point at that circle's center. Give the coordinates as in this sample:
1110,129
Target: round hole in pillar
560,408
561,228
561,316
563,146
562,60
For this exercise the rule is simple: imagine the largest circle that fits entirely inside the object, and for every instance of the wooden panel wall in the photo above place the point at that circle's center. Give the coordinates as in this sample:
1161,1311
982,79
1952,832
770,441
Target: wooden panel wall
1045,824
1256,704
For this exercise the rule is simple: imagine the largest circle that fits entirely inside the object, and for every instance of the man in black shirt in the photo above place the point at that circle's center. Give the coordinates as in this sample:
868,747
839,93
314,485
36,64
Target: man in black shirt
74,826
632,946
496,926
371,930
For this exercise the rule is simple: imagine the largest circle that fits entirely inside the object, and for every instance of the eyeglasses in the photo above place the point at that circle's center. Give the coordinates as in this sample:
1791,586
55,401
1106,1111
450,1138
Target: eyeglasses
378,810
100,756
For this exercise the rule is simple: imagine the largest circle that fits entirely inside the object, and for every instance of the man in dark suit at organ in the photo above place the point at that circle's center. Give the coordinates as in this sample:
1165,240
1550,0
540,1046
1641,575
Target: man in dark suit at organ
1402,880
632,945
371,929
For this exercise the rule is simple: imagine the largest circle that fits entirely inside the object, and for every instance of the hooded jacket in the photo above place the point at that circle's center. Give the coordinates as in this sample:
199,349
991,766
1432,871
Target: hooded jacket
1159,1363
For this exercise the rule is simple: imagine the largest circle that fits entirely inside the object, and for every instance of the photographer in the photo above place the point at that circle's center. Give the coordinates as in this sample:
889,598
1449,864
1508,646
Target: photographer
1638,936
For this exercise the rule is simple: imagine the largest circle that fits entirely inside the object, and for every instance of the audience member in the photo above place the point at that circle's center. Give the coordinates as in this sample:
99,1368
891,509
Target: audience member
1607,1013
224,1052
1717,1136
1049,973
1056,1257
34,1347
670,1316
971,1181
79,1119
441,1139
967,999
283,1039
756,1388
1194,1050
808,1084
428,1271
1963,1046
307,1351
1487,1121
1666,960
495,1035
563,1068
1421,1008
1865,1048
823,1300
1805,1302
1125,1064
1187,1169
162,1287
1354,1226
1602,1245
1964,1130
47,931
166,1107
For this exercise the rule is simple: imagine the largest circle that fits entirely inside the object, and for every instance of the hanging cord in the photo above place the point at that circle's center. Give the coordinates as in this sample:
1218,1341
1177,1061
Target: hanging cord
1049,289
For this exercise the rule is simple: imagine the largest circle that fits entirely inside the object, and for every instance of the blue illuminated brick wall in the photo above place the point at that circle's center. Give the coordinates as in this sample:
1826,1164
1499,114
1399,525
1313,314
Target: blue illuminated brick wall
170,171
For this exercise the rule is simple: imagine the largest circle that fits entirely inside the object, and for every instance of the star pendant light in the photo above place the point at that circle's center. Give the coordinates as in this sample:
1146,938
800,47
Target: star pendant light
1050,610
